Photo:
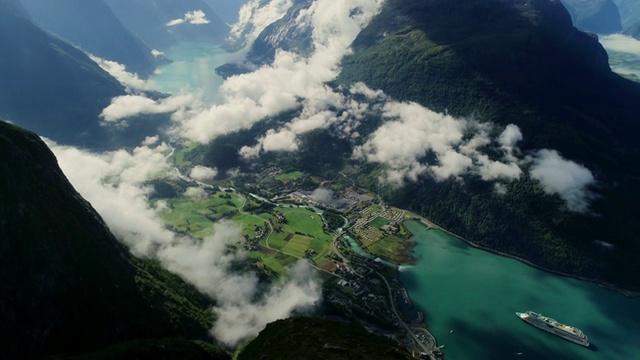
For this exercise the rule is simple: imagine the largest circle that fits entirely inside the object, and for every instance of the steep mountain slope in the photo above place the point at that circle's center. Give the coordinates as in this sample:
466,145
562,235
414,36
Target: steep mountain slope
227,10
150,21
599,16
505,62
95,28
303,338
288,33
48,85
517,62
629,12
66,285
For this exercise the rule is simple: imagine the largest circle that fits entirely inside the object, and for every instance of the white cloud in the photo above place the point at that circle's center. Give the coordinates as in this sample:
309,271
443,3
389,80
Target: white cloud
151,140
414,133
278,87
156,53
196,17
195,193
114,183
203,173
621,43
126,106
280,141
129,80
254,18
300,292
510,137
563,177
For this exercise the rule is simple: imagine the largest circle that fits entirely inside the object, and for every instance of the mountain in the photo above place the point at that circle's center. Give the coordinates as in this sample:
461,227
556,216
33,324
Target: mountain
163,23
67,286
630,16
93,26
629,12
227,10
599,16
48,85
287,33
504,62
634,31
527,66
311,339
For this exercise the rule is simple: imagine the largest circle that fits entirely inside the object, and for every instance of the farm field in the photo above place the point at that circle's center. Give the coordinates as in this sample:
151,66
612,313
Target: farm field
379,222
291,176
196,216
392,249
303,230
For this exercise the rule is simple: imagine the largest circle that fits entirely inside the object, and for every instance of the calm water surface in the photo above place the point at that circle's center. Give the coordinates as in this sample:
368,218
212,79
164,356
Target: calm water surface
192,69
476,294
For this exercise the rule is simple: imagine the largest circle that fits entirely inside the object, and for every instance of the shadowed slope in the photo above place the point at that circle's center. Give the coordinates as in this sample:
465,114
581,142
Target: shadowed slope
66,284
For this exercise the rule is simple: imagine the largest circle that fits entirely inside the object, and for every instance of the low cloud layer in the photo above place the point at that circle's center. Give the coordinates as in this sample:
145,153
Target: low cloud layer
278,87
114,183
196,17
129,80
620,43
126,106
203,173
254,17
563,177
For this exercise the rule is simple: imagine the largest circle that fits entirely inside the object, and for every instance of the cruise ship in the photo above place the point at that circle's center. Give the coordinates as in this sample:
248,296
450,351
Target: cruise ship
551,325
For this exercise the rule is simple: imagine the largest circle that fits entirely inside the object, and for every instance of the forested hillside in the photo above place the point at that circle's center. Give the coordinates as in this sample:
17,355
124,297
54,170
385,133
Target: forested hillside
527,66
67,286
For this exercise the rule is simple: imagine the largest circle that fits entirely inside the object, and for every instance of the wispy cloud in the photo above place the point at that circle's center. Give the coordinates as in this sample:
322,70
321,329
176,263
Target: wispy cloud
115,184
620,43
292,79
126,106
129,80
196,17
563,177
417,141
156,53
203,173
254,17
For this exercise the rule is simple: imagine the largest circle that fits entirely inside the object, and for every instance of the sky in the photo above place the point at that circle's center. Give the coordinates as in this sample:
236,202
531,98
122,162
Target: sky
413,142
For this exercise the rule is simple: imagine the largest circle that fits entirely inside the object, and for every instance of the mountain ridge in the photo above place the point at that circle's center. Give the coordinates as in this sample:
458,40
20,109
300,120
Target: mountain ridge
502,62
67,286
95,28
49,86
543,76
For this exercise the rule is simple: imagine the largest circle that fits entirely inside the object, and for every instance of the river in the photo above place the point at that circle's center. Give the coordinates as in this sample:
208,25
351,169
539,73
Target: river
476,294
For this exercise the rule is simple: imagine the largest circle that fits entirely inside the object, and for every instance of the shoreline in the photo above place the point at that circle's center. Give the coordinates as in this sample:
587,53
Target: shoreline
626,292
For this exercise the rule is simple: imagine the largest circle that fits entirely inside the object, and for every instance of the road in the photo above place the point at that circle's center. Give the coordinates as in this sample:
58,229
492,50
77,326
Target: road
422,347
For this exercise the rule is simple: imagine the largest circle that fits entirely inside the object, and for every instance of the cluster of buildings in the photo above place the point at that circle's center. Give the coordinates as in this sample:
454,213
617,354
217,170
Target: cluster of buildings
368,233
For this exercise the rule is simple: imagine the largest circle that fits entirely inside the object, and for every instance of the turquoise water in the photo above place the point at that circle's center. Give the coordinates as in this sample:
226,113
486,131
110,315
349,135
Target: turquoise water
476,294
192,69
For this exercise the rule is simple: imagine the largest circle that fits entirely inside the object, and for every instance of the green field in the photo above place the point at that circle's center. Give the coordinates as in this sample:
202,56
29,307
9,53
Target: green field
303,230
277,262
180,154
196,217
379,222
291,176
248,222
392,249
